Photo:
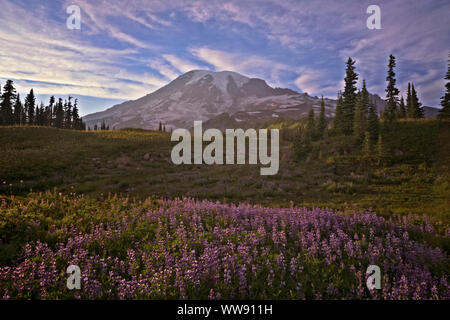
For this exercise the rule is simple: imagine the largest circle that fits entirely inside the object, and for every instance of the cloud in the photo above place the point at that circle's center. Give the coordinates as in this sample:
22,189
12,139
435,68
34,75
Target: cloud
99,16
313,82
247,64
60,63
126,49
181,65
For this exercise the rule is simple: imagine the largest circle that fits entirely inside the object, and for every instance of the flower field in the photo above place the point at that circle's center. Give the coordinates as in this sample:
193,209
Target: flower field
187,249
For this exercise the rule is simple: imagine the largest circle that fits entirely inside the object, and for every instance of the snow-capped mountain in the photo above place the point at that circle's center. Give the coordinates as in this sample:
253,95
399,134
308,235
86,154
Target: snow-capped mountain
206,95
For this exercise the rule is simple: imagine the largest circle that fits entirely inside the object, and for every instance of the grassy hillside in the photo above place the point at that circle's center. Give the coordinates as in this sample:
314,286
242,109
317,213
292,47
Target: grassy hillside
415,178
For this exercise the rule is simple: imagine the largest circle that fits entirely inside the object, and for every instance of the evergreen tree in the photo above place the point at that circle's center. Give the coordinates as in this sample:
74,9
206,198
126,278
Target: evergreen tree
40,115
30,106
365,100
338,121
349,97
95,127
402,109
367,146
51,115
103,125
373,126
381,151
160,126
302,144
18,111
68,114
164,128
391,113
48,117
409,106
76,121
416,105
59,114
359,124
6,106
444,113
322,121
311,125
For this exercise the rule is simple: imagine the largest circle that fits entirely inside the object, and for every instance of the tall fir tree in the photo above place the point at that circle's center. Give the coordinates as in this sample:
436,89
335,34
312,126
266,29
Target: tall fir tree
338,121
416,105
373,126
30,106
68,113
321,121
402,109
409,105
51,114
38,115
390,114
444,113
367,146
18,112
365,99
311,124
359,123
302,144
76,120
8,98
42,114
381,151
349,97
59,114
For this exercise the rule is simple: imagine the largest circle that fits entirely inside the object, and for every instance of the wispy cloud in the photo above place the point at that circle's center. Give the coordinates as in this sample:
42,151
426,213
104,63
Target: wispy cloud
129,48
248,64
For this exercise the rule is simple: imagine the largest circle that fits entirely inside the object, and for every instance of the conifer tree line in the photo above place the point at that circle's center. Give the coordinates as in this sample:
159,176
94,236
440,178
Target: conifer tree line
103,126
357,115
444,113
162,127
354,111
57,113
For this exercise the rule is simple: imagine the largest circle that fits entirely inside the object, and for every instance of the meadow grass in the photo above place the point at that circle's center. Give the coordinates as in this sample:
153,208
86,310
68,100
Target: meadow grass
415,179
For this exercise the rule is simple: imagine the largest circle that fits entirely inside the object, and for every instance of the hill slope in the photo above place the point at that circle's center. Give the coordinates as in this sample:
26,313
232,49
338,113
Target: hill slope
416,180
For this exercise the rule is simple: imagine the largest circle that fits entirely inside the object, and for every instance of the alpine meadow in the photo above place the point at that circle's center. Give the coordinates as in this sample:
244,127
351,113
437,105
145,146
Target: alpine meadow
222,150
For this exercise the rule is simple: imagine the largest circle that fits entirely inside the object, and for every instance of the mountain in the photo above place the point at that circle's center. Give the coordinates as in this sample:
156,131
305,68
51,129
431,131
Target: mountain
220,99
430,112
203,95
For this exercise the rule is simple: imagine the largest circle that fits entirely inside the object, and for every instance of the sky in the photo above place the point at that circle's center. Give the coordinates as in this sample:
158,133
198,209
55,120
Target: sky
127,49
